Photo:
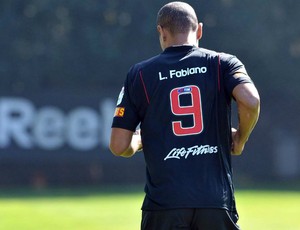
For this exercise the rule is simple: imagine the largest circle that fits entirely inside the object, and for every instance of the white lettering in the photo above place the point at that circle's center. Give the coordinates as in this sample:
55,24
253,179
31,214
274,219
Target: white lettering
107,109
16,117
50,128
82,131
178,153
161,77
183,72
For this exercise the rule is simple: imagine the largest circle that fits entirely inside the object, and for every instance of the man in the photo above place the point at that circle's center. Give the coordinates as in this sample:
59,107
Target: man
181,99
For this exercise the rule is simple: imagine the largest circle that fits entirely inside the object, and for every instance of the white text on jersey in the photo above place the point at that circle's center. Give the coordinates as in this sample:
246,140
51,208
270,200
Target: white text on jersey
182,73
179,153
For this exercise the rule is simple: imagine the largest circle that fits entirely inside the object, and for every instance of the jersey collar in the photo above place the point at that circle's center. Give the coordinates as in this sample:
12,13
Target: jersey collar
181,48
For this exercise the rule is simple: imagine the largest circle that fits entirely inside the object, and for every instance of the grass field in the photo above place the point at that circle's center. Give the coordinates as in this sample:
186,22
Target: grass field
111,210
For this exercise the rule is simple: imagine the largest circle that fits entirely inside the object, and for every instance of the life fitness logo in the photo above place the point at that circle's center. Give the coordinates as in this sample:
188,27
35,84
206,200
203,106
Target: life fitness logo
50,128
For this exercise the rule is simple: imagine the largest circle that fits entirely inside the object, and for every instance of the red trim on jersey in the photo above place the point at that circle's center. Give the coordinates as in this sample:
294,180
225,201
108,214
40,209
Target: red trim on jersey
145,90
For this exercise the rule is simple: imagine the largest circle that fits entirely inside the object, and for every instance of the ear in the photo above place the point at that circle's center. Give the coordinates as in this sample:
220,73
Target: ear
161,31
158,28
199,31
163,36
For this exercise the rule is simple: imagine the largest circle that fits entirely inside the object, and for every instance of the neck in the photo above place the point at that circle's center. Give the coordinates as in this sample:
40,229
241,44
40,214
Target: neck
182,39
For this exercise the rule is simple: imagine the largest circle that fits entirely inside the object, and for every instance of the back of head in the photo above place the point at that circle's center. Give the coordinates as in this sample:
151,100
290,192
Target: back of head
177,17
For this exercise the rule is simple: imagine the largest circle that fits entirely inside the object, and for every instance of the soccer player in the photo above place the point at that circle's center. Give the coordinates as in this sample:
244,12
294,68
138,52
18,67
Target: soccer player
182,100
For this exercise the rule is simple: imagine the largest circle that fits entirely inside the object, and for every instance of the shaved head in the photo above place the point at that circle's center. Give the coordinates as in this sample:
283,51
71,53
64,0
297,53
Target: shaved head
177,17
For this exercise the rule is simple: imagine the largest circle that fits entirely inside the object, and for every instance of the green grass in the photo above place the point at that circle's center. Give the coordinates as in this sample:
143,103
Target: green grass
276,210
85,210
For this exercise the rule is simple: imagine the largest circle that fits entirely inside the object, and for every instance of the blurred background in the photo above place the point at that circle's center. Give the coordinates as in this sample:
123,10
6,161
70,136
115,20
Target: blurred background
63,63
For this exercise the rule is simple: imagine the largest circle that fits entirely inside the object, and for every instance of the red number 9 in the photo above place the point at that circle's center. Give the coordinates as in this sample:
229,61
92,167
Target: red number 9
195,110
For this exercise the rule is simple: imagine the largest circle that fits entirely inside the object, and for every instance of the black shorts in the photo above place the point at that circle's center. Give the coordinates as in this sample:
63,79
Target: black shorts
188,219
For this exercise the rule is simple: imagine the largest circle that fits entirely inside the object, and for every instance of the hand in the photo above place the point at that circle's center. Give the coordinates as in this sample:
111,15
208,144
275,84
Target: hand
237,146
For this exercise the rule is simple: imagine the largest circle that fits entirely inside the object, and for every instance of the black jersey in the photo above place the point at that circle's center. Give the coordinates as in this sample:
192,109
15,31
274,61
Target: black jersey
181,98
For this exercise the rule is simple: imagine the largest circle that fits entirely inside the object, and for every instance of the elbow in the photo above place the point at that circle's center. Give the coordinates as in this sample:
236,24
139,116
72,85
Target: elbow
120,141
117,149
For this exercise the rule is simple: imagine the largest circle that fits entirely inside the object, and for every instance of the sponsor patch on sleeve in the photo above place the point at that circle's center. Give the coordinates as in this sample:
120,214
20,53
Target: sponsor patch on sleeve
119,112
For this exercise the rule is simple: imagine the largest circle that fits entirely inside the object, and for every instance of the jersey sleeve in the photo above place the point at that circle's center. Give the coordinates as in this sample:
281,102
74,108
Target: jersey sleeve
231,65
126,115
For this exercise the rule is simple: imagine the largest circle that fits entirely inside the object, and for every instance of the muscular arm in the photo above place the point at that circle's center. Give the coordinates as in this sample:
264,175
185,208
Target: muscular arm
248,105
124,143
